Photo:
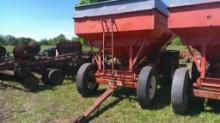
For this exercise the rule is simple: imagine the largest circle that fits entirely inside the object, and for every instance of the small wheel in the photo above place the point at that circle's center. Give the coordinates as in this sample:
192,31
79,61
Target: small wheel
180,91
31,83
147,86
85,79
44,77
53,77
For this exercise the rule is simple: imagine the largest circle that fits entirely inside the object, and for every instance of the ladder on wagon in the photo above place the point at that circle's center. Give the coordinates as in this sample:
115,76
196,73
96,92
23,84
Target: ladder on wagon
108,31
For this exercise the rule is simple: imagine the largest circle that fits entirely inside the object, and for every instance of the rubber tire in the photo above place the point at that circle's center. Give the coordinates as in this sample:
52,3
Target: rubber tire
180,91
31,83
83,78
144,79
44,77
53,77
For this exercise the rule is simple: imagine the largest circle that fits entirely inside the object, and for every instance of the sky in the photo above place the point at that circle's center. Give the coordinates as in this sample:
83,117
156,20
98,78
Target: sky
38,19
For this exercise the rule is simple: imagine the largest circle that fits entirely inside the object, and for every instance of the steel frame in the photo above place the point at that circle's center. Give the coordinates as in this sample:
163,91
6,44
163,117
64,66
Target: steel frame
126,77
205,86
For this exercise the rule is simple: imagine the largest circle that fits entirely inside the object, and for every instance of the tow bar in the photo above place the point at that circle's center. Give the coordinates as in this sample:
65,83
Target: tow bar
95,105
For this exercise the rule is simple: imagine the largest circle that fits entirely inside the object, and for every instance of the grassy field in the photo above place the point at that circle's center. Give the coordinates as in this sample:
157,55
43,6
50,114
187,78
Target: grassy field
63,103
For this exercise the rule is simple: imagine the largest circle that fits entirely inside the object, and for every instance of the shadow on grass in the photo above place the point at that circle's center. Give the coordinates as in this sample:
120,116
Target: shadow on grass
120,94
162,99
10,82
214,105
199,105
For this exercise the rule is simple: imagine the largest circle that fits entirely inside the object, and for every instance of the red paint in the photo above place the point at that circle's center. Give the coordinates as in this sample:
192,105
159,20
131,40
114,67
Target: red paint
147,26
135,36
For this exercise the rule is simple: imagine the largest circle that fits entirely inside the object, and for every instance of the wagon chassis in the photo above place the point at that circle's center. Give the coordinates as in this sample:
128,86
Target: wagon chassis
116,78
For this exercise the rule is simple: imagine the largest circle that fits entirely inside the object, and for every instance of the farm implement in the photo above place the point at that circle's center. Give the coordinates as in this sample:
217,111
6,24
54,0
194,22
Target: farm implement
26,61
131,38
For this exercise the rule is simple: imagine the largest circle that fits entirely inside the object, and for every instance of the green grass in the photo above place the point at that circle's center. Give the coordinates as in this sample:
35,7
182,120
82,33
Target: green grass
63,103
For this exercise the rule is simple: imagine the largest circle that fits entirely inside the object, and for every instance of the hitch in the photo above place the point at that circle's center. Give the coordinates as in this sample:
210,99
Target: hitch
95,105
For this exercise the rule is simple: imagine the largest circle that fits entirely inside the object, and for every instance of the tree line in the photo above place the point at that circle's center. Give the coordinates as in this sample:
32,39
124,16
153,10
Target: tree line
11,40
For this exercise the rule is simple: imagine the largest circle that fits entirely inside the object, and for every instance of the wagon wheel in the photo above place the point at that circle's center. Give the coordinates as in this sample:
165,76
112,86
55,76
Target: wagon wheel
53,77
85,79
180,91
147,86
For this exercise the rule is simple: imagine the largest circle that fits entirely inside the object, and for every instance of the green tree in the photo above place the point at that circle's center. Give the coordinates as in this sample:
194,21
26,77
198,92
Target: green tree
2,40
60,38
87,1
43,42
11,40
177,42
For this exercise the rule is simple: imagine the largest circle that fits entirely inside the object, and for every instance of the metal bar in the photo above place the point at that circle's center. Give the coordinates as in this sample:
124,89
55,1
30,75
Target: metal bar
139,52
210,82
8,72
103,46
112,46
95,105
94,54
189,47
206,94
203,62
130,58
119,83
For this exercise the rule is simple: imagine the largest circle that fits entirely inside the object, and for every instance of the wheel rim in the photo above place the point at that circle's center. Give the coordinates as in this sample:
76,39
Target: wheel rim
91,84
152,88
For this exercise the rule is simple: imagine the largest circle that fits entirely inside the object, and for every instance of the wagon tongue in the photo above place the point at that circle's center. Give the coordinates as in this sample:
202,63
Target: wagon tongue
96,104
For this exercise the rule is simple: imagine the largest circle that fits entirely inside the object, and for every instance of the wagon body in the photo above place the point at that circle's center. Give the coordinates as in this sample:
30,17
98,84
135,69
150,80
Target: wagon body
133,34
134,22
198,21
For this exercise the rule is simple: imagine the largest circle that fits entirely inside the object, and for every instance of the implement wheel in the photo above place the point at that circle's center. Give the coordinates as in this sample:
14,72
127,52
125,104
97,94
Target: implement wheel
53,77
31,83
147,86
85,79
180,91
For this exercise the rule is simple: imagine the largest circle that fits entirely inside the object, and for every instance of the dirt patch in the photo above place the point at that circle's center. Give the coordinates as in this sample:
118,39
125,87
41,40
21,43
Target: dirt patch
27,106
5,113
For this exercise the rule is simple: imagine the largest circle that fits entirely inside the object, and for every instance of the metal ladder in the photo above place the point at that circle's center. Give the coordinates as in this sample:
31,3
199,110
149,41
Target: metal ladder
108,31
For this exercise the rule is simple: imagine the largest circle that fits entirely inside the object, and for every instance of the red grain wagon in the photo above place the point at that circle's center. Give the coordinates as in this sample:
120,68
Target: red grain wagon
197,22
130,37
